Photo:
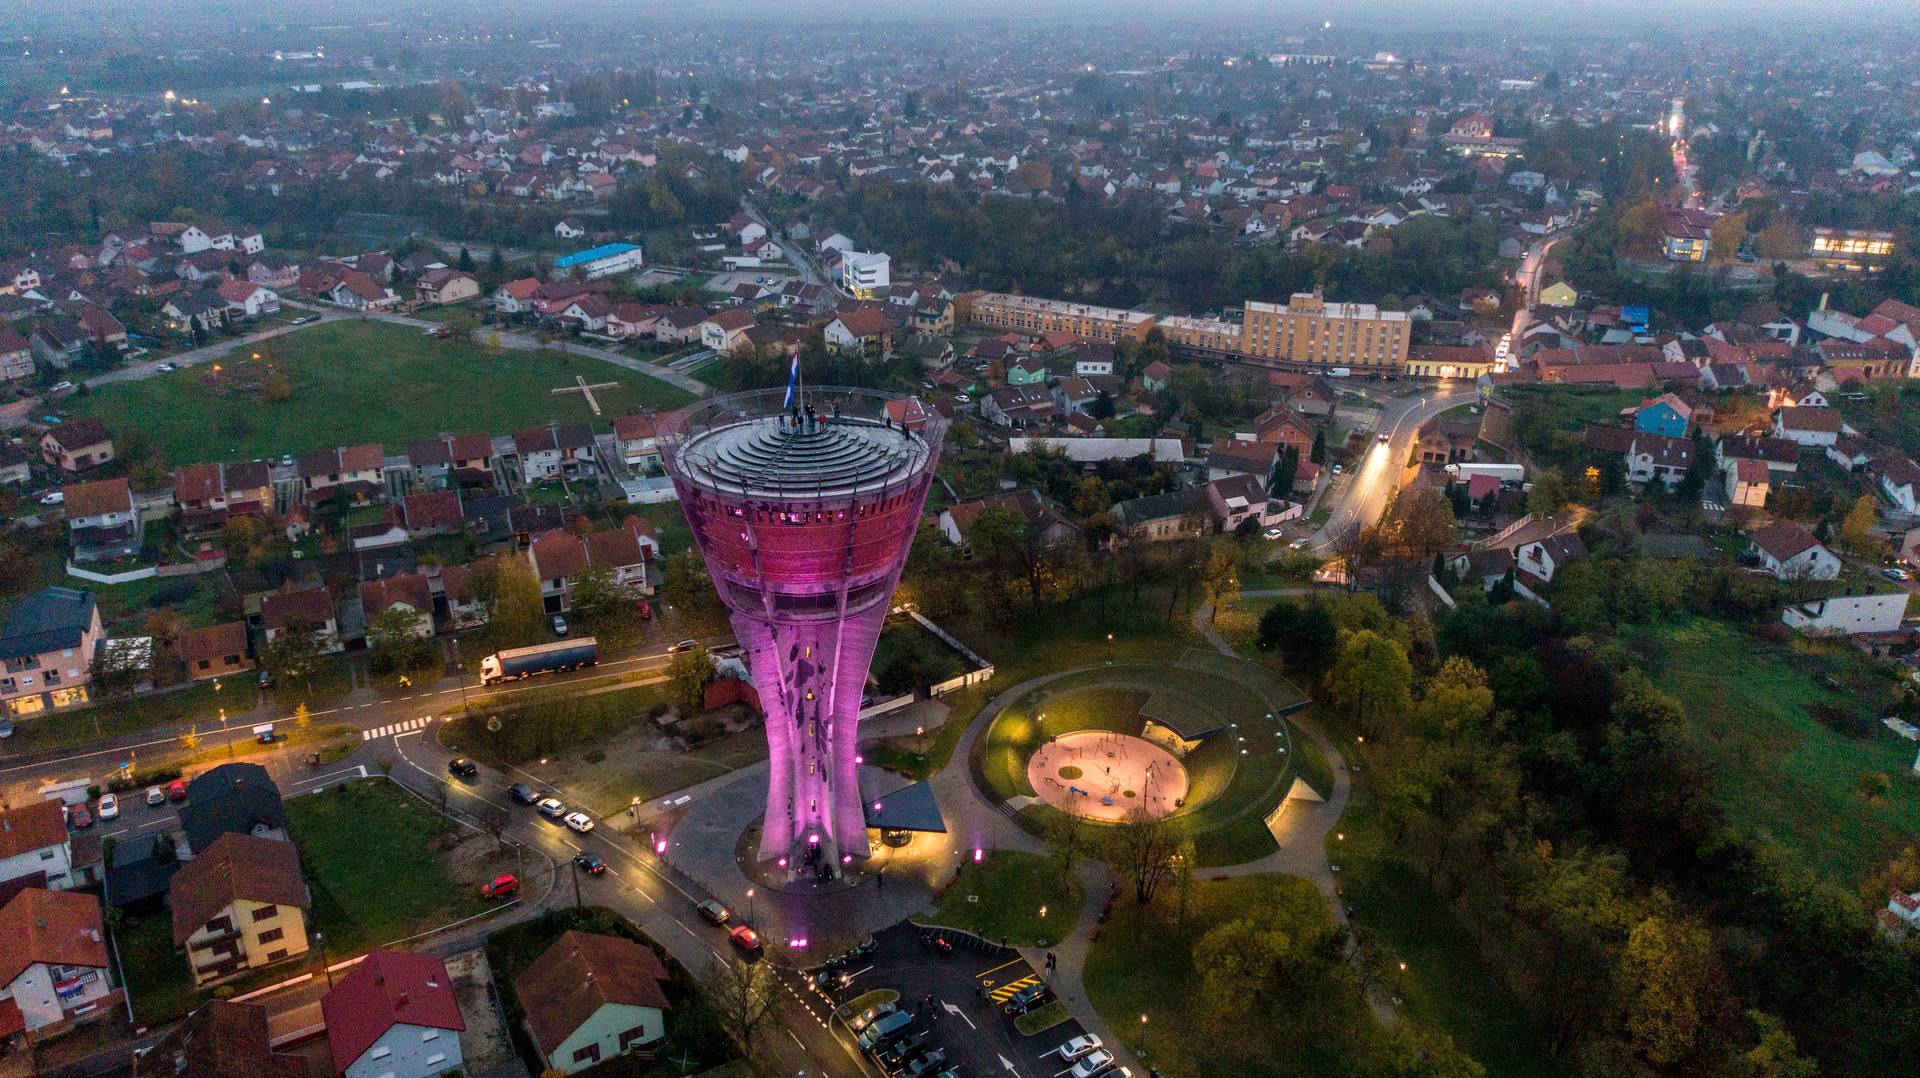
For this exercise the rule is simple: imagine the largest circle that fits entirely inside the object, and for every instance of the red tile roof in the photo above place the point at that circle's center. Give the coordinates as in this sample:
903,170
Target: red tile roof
387,988
60,928
281,609
580,973
33,826
98,498
235,866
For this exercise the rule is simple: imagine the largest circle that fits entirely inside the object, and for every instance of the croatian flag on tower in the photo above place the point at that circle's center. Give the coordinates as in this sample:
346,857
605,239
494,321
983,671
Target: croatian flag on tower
793,375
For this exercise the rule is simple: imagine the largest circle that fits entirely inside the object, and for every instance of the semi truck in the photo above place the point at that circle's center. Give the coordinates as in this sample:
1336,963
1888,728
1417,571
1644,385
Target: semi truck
516,663
1506,473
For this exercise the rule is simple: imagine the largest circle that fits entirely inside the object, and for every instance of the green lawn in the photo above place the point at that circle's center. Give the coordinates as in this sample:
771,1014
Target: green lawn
155,971
668,519
357,381
1141,963
200,705
1003,896
375,880
1778,771
1446,985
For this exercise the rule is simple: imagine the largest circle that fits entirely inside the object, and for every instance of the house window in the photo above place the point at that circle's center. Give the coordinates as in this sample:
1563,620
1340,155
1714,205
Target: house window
627,1038
264,913
434,1061
591,1053
275,956
272,935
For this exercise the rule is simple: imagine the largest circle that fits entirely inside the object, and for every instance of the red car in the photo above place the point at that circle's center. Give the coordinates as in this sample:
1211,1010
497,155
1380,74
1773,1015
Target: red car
746,939
645,609
176,790
500,886
78,817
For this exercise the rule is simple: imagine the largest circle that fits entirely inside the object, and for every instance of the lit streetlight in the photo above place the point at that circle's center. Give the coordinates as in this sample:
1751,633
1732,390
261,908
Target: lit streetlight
749,905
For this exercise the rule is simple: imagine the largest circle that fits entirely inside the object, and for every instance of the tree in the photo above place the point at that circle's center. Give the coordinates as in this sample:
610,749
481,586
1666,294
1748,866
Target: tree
395,643
1549,494
296,652
1874,786
1306,636
466,260
1371,682
276,387
1221,580
1669,967
1141,847
743,995
518,615
1032,175
302,718
1318,454
1773,1054
1417,1051
1857,530
1288,943
1781,240
1424,521
1726,236
688,672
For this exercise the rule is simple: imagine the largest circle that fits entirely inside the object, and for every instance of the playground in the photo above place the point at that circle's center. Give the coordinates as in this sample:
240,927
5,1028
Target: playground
1203,741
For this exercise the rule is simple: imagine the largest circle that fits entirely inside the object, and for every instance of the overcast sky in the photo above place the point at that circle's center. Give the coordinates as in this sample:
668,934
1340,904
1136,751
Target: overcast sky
1507,15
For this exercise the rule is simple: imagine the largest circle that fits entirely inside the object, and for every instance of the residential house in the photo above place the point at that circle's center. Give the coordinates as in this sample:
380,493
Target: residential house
407,595
1019,407
589,998
433,512
357,291
222,1039
101,521
1900,482
214,652
1448,439
1808,427
1656,456
231,799
1665,415
681,325
35,848
639,443
353,472
308,609
1237,499
1045,520
1545,557
516,297
446,286
16,465
1285,427
553,451
464,608
1849,615
1790,552
247,299
77,446
560,557
46,651
394,1015
862,331
1229,456
16,355
54,971
1779,455
1158,517
725,330
1748,483
240,904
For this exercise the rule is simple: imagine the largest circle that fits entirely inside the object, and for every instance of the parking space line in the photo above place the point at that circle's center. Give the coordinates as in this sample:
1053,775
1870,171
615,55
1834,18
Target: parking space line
1011,962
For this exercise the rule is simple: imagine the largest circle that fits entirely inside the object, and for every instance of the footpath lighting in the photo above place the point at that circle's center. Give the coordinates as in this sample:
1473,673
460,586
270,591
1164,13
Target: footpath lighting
979,855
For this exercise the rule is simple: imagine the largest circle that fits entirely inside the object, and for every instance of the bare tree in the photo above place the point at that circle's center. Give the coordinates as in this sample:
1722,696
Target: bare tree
1142,848
743,993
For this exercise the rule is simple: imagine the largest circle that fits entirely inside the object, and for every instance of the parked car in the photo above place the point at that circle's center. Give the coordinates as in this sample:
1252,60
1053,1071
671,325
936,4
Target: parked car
644,609
1099,1061
500,886
745,938
61,386
53,497
176,790
926,1064
1894,574
462,767
523,793
590,864
902,1050
579,821
1079,1046
859,1022
885,1029
1272,533
6,727
684,645
559,625
79,818
156,797
109,806
552,808
712,912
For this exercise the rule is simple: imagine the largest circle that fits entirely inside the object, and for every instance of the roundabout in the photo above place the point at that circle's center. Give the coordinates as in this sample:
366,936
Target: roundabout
1107,776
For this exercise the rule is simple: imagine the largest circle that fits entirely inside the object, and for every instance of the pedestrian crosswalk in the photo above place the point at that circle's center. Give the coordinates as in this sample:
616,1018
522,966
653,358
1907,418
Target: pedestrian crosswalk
396,728
1004,992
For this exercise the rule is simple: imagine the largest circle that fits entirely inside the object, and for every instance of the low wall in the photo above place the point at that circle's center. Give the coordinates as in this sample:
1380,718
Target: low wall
148,572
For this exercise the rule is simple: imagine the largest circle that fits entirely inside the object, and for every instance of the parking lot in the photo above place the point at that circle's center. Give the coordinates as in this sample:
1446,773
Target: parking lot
956,993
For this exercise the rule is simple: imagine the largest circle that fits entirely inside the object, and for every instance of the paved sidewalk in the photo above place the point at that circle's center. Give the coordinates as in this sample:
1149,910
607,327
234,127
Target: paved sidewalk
1068,980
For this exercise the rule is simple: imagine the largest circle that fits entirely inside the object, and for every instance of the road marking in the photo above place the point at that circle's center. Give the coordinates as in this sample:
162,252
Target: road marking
1001,966
1006,991
960,1014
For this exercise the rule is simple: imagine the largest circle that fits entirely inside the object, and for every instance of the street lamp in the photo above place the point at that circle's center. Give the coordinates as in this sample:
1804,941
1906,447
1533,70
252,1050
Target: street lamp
223,733
320,941
749,905
1109,649
1143,1036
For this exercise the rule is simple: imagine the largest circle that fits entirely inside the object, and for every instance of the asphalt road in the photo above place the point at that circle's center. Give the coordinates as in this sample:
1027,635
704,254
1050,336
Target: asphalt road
1361,495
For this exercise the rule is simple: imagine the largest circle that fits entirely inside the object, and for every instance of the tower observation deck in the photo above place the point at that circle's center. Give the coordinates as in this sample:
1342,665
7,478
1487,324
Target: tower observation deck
804,516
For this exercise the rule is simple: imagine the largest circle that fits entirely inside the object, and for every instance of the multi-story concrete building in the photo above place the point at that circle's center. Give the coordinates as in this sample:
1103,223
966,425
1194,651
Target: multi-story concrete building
46,651
1037,317
1309,330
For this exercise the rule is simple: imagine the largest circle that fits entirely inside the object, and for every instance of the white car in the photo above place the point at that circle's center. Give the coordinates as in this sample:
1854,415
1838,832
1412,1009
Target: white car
53,497
1079,1046
580,822
1273,533
1092,1065
109,806
156,796
61,387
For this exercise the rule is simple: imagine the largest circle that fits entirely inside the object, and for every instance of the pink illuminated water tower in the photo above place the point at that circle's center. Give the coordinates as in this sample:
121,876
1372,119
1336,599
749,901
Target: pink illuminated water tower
804,507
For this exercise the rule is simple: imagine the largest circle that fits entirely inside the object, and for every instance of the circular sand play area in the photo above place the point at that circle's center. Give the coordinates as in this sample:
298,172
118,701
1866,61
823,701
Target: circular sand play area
1106,776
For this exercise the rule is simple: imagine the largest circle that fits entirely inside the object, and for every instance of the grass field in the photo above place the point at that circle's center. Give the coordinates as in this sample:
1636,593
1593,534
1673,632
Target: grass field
368,381
199,704
375,879
1778,771
1003,896
1446,985
1142,964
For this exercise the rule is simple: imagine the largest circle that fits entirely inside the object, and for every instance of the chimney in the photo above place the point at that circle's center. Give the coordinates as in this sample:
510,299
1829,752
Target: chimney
1823,302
